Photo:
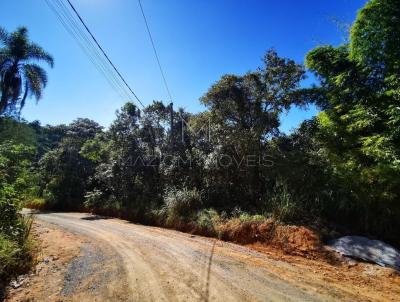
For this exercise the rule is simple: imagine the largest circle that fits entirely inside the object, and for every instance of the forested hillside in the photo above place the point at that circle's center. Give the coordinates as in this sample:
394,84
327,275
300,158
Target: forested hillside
338,172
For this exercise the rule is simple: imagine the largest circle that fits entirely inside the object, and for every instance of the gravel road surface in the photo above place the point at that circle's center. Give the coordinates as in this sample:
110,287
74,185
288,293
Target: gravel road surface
166,265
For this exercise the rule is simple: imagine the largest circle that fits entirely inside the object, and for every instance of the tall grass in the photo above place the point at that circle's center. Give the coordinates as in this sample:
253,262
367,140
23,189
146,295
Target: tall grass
37,204
208,222
180,206
16,244
282,205
16,254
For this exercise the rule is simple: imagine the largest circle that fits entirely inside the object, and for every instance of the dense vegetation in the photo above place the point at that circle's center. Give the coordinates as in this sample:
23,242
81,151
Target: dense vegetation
20,77
17,183
339,171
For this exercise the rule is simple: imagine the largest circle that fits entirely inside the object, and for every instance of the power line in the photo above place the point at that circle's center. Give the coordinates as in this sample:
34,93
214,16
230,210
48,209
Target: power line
155,51
103,64
104,53
95,52
74,30
89,49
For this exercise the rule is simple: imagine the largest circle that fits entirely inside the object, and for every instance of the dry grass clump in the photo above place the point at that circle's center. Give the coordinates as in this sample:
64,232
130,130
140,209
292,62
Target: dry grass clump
290,238
248,229
36,204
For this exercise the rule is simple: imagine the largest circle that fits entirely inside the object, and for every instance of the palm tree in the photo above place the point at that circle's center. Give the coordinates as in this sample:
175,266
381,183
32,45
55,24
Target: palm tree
20,76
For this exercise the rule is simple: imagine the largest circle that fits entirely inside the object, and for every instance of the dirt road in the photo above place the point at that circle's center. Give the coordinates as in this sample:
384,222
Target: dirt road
165,265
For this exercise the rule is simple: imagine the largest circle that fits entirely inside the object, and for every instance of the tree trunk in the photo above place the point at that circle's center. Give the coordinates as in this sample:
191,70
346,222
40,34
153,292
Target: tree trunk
3,101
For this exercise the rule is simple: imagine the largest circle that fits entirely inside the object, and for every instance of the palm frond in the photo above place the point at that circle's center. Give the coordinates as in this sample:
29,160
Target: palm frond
38,72
3,35
4,54
4,66
5,60
35,52
37,79
23,31
28,78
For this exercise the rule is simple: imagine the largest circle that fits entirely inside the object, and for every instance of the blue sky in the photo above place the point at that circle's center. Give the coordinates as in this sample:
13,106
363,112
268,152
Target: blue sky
198,42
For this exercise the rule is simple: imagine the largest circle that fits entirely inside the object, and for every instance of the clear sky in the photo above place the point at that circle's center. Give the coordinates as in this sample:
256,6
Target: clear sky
198,41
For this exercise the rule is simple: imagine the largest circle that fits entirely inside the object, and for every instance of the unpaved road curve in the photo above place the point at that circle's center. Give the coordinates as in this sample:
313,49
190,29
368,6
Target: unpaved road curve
166,265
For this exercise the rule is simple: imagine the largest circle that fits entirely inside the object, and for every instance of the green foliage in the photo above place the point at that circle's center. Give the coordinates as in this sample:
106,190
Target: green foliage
9,224
9,251
15,243
17,182
243,114
283,206
180,205
18,132
358,129
341,167
125,182
64,171
96,149
37,203
246,217
12,224
374,39
20,76
47,137
208,221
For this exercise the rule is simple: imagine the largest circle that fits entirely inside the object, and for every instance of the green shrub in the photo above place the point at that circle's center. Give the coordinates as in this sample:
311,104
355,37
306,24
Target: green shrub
37,203
246,217
208,221
10,225
9,255
243,216
15,243
94,200
15,257
180,205
282,206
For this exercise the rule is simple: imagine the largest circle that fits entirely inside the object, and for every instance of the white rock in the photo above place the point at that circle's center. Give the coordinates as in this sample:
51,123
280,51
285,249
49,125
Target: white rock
15,284
366,249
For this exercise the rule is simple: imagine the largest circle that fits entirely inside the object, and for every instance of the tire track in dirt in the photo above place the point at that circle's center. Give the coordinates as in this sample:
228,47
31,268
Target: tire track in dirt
166,265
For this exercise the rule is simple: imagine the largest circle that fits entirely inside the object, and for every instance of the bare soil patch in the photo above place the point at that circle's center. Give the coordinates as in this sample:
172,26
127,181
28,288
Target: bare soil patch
114,260
69,267
291,239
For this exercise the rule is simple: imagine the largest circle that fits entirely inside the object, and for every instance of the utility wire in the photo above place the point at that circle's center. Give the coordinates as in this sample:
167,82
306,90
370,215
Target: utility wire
104,66
87,48
155,51
104,53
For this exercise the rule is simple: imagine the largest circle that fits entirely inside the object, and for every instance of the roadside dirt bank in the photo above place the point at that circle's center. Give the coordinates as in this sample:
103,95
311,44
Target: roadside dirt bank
144,263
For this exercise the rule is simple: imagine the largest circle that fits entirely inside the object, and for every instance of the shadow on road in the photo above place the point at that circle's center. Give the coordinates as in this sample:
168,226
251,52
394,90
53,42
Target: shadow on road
207,291
95,217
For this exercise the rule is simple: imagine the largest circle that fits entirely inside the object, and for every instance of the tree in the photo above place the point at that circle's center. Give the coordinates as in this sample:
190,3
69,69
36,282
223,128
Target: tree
244,114
359,128
65,173
18,149
126,180
16,178
17,131
20,76
47,137
374,38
